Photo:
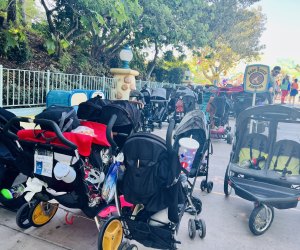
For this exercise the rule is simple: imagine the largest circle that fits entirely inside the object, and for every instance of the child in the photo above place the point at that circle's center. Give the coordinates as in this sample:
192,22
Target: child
294,91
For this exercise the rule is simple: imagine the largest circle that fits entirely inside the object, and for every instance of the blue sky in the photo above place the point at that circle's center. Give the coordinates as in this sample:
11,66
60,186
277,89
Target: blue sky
282,34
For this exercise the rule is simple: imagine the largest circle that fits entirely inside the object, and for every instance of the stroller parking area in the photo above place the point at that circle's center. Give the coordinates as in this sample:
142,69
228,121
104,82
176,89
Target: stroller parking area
226,220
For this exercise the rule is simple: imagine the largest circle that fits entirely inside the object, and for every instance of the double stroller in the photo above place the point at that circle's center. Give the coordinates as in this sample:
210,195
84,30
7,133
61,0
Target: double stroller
159,104
157,185
185,101
264,165
70,168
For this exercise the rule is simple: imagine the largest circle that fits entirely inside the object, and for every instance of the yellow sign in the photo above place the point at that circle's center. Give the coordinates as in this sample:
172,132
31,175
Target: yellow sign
256,78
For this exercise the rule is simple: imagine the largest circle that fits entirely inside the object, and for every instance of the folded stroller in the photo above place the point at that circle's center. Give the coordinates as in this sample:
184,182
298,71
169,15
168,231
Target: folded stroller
151,182
159,103
147,124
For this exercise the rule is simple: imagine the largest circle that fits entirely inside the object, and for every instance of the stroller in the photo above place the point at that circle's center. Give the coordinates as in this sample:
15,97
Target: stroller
185,101
218,109
69,167
147,124
194,125
11,183
150,182
264,165
159,103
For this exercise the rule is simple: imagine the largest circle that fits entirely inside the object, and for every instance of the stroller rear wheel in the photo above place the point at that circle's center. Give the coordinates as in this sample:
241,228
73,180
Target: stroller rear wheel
22,216
227,187
41,213
261,219
111,235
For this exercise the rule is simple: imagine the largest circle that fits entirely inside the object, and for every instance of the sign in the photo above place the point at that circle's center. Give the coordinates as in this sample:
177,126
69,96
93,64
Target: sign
256,78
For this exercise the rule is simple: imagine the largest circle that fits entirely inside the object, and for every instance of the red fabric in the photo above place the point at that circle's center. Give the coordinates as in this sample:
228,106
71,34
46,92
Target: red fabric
179,106
83,142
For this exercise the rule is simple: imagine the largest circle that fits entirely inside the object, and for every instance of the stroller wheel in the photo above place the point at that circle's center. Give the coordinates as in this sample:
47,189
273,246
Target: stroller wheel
111,235
124,245
261,219
192,228
22,217
229,138
41,213
201,228
203,185
160,125
132,247
210,186
227,187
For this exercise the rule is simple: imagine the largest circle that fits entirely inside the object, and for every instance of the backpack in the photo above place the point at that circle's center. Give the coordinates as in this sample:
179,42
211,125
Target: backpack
92,108
65,117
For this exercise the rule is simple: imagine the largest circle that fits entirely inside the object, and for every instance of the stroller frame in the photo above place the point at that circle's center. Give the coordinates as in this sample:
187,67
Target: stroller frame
124,221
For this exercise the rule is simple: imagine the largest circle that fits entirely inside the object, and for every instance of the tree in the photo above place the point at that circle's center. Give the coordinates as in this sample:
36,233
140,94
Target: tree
235,36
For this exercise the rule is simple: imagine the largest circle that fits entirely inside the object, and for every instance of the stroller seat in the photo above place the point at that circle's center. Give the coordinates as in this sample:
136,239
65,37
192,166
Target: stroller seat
286,157
254,146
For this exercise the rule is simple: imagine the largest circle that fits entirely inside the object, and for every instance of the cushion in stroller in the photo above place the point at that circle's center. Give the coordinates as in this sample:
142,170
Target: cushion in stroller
253,146
286,153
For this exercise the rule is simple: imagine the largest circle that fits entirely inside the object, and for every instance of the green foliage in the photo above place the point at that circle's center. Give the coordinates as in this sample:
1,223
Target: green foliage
65,61
15,45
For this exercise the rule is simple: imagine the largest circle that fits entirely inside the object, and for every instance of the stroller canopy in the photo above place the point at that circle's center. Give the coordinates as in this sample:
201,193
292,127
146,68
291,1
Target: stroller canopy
191,121
184,91
159,94
127,114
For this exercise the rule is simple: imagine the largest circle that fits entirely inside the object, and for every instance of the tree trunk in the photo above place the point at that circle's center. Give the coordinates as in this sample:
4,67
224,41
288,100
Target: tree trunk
153,62
22,10
11,11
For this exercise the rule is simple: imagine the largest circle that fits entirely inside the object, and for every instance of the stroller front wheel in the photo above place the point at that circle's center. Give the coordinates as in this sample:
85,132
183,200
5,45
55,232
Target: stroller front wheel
192,228
201,228
42,213
261,219
22,216
111,235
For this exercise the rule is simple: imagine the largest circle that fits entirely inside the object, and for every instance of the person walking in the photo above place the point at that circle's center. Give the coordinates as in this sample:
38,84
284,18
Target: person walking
285,87
272,84
294,91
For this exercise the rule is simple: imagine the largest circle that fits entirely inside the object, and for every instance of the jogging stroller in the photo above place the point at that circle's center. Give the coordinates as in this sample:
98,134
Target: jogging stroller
194,125
264,165
151,183
159,105
218,109
185,101
11,188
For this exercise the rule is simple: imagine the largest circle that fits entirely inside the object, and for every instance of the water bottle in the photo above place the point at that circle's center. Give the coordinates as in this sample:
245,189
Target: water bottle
14,192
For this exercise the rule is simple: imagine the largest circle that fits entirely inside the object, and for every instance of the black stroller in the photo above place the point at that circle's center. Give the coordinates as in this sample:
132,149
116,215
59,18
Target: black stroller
219,118
194,125
151,183
185,101
159,103
9,167
264,165
80,154
147,124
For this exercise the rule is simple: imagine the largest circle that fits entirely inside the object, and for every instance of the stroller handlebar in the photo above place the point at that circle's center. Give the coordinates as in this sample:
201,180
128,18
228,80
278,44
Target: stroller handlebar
169,135
109,132
50,123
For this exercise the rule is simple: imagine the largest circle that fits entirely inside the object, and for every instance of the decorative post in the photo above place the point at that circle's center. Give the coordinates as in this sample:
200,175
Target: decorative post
125,77
48,82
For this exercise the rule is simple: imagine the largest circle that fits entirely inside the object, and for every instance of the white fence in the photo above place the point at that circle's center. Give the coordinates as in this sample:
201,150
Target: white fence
28,89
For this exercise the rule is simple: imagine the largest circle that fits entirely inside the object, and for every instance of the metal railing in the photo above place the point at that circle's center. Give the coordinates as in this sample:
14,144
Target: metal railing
27,88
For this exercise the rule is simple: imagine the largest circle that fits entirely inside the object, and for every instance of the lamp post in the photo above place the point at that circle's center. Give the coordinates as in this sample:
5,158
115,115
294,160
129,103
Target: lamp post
126,56
217,65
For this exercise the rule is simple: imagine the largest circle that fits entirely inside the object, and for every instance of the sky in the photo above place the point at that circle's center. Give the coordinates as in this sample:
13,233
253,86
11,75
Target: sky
282,34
